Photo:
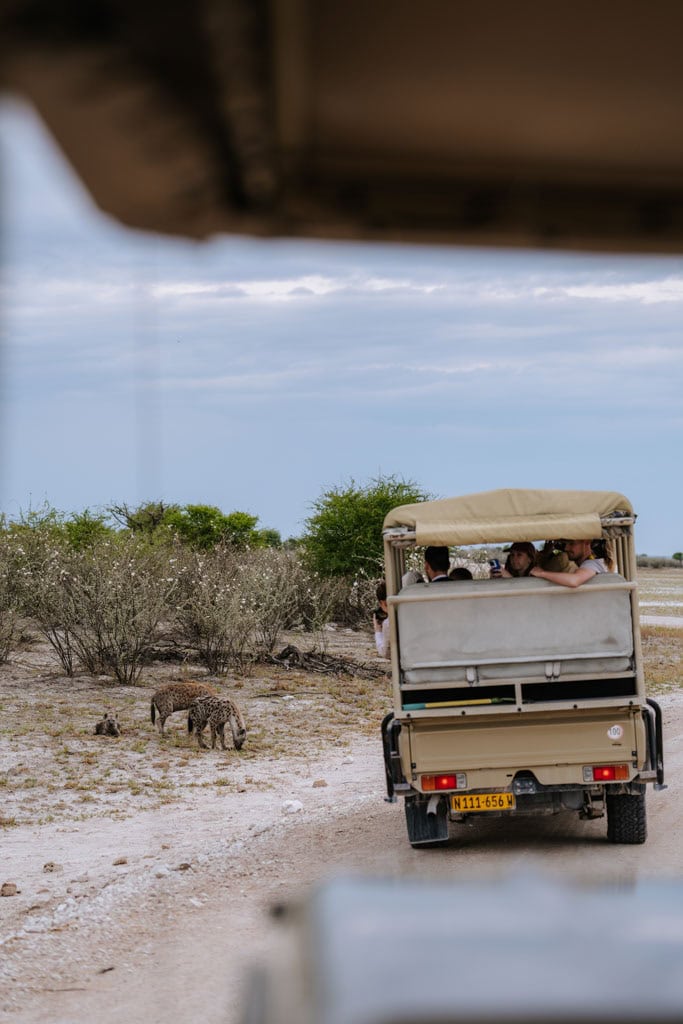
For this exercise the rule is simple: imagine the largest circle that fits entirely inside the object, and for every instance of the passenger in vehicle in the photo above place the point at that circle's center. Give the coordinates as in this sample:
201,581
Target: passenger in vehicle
436,564
412,576
520,561
588,566
553,558
460,573
380,621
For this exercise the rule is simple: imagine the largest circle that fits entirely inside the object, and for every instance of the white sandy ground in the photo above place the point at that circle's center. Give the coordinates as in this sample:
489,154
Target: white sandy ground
167,935
218,858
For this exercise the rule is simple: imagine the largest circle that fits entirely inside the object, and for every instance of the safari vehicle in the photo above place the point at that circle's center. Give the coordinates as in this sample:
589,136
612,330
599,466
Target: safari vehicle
518,696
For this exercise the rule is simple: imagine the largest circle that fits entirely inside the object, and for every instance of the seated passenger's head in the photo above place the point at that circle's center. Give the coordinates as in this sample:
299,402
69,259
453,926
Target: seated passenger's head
521,558
436,561
460,573
578,550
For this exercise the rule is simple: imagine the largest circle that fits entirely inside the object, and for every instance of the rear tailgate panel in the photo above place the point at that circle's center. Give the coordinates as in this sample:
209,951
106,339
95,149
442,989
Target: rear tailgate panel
553,748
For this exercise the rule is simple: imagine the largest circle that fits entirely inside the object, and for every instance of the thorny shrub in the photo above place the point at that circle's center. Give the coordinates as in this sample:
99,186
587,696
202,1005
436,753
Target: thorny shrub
215,616
107,607
101,607
349,602
286,594
9,598
40,557
235,606
123,590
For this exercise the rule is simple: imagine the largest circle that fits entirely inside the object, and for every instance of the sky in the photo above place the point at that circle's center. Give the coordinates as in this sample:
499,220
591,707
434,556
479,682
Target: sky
255,375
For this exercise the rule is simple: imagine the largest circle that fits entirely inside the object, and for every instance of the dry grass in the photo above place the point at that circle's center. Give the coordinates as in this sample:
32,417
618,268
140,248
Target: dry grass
52,765
662,657
660,591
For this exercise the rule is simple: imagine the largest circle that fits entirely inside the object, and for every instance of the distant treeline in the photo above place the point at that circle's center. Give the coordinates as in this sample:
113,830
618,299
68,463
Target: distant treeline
659,561
199,526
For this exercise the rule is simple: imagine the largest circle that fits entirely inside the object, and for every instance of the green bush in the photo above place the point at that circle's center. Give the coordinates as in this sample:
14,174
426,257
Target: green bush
344,534
146,518
83,529
200,526
205,526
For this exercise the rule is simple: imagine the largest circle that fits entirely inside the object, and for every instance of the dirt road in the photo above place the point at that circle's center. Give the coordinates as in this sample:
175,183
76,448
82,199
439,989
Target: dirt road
166,934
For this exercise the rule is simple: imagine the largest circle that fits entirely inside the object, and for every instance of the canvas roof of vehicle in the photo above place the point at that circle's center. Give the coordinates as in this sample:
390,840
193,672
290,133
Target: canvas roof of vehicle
509,515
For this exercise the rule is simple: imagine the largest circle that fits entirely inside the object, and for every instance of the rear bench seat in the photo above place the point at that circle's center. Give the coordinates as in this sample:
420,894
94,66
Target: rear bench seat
479,630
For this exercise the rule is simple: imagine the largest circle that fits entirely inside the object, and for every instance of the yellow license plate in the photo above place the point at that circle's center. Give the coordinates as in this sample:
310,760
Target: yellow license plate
470,803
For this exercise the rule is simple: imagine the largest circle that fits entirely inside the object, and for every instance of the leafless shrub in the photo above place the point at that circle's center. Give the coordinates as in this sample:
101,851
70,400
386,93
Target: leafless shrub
123,591
9,601
236,605
107,607
348,602
41,562
216,615
286,594
276,582
102,607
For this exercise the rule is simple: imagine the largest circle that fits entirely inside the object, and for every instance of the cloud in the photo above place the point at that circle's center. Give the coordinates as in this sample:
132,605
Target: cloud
288,289
293,364
646,292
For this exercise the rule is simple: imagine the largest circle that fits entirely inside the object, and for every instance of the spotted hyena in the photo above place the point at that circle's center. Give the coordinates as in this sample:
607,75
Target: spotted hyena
215,712
176,697
108,725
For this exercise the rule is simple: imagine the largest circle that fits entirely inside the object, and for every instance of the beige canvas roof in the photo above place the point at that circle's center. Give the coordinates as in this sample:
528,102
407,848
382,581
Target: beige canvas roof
509,515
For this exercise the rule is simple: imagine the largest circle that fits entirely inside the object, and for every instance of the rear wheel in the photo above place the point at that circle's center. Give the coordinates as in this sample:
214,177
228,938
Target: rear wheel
626,818
426,831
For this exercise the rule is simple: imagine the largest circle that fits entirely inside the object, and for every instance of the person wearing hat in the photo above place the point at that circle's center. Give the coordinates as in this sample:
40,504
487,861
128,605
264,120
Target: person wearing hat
520,561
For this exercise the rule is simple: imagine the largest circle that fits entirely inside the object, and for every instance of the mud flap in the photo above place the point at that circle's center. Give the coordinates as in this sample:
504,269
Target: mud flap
426,829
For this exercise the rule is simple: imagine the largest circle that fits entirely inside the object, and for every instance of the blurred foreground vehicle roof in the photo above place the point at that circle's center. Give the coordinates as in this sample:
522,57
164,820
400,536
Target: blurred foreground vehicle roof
524,124
525,949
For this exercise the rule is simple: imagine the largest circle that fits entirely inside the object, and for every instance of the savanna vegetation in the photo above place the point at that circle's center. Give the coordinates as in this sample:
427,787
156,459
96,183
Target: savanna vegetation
113,590
660,561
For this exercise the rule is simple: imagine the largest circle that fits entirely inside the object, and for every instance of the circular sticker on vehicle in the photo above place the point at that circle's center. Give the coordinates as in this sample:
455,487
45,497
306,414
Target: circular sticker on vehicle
615,732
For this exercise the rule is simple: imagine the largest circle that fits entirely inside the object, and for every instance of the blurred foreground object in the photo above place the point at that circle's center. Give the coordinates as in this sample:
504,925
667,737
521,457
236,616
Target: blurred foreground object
491,124
366,951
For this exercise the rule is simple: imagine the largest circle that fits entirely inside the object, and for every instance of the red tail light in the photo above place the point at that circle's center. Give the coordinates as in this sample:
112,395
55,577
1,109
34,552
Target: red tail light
431,783
606,773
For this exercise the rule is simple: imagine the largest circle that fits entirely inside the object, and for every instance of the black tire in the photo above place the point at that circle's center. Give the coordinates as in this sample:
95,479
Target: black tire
426,831
626,818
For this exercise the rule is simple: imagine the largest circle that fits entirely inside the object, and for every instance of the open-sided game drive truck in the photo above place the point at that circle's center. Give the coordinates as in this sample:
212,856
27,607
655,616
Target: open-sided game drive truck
518,696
